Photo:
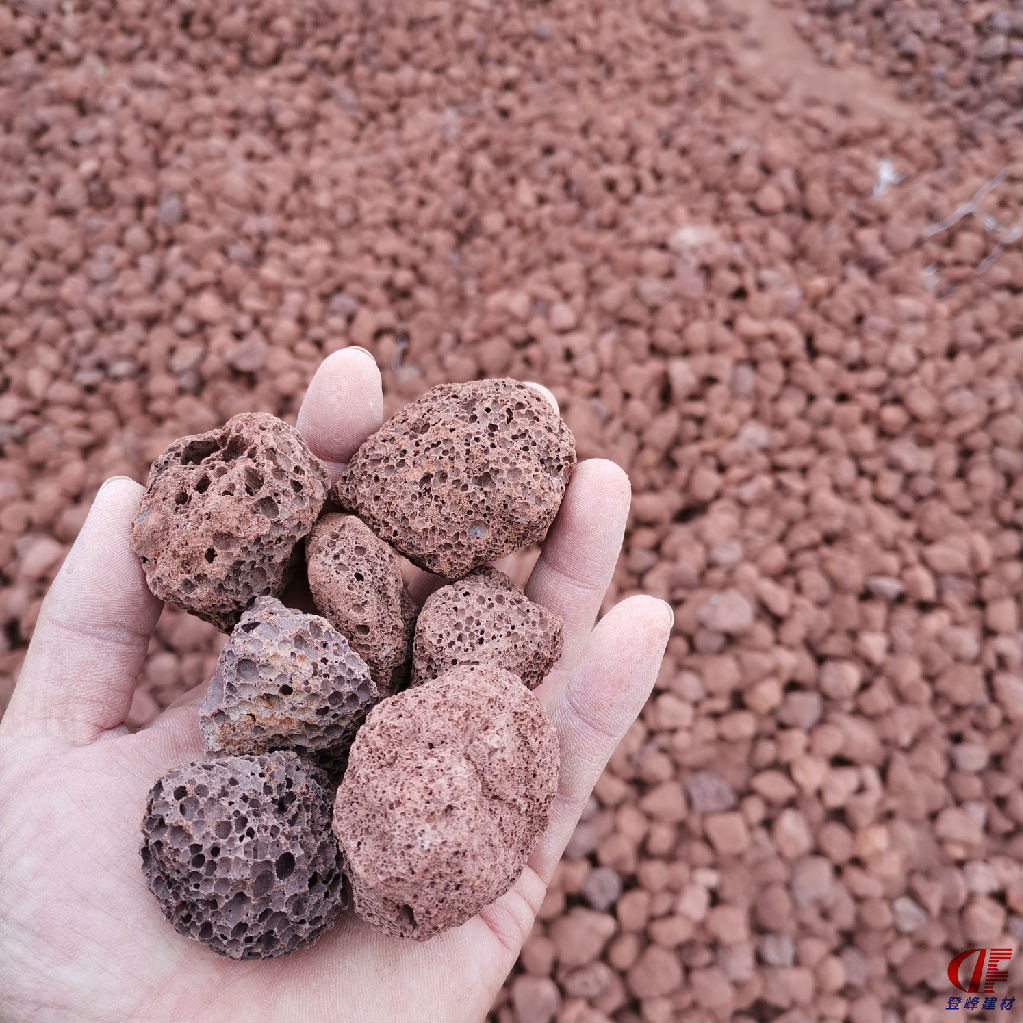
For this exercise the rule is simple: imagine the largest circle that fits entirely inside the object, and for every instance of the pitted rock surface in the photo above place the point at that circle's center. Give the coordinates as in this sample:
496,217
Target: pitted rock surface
223,512
355,580
485,618
286,680
463,475
239,853
448,788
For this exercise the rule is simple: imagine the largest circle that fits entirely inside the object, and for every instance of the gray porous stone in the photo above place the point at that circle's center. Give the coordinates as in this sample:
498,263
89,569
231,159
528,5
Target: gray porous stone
286,680
239,853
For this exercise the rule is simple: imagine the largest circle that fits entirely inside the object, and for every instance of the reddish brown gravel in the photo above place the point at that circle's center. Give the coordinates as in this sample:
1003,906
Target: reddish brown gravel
767,257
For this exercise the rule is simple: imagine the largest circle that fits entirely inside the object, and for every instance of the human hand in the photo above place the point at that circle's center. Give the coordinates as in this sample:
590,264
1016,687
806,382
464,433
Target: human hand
80,935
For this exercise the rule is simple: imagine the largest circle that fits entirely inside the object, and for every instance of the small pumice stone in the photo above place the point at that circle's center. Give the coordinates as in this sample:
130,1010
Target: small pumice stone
463,475
286,680
239,853
485,618
447,790
356,584
223,512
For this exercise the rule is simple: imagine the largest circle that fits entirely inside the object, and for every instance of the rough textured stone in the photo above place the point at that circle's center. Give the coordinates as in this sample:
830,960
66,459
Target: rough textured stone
656,972
447,790
535,998
355,580
709,793
485,618
239,853
223,512
286,680
463,475
730,612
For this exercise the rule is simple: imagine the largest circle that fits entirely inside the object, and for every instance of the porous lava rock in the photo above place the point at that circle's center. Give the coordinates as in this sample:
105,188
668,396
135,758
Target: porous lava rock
222,514
463,475
447,790
485,618
286,680
356,583
239,853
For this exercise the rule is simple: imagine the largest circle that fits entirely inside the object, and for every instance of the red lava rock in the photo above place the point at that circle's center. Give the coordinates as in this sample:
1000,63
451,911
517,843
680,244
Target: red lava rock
223,512
954,824
727,832
446,792
580,936
818,407
485,618
253,878
588,981
535,998
483,465
356,583
656,972
39,558
730,612
812,878
286,680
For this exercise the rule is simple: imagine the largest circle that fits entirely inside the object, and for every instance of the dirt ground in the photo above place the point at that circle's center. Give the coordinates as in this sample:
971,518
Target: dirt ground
767,256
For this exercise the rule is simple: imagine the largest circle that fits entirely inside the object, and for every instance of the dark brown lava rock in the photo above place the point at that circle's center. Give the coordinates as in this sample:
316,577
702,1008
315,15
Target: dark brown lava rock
239,853
355,580
463,475
447,790
485,618
223,512
286,680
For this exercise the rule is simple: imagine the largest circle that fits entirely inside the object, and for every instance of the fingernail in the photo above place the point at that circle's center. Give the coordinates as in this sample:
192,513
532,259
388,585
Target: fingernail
363,351
671,616
113,479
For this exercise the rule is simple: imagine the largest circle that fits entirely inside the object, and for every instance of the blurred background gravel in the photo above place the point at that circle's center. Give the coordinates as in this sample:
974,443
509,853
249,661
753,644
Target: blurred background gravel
767,256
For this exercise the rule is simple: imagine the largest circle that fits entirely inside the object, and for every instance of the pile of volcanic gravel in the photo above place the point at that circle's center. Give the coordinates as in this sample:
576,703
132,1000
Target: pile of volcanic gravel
954,58
746,298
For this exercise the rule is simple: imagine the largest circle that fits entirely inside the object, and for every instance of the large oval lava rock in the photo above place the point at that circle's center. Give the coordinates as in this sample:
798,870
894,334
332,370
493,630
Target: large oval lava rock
485,618
356,583
223,512
463,475
447,790
286,680
239,853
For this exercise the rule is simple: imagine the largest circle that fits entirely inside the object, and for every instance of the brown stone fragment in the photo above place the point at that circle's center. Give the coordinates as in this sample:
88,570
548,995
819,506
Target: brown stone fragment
223,512
485,618
286,680
356,583
446,792
463,475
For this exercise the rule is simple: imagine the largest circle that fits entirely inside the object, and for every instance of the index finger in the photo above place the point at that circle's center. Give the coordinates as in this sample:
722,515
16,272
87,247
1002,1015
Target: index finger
343,405
579,555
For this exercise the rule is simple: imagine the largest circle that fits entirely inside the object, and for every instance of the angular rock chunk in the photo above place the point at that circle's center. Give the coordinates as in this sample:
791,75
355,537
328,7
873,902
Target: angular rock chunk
485,618
223,512
448,788
286,680
239,853
463,475
355,580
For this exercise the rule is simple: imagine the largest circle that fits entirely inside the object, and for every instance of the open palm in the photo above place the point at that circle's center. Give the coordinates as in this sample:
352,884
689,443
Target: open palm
80,935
